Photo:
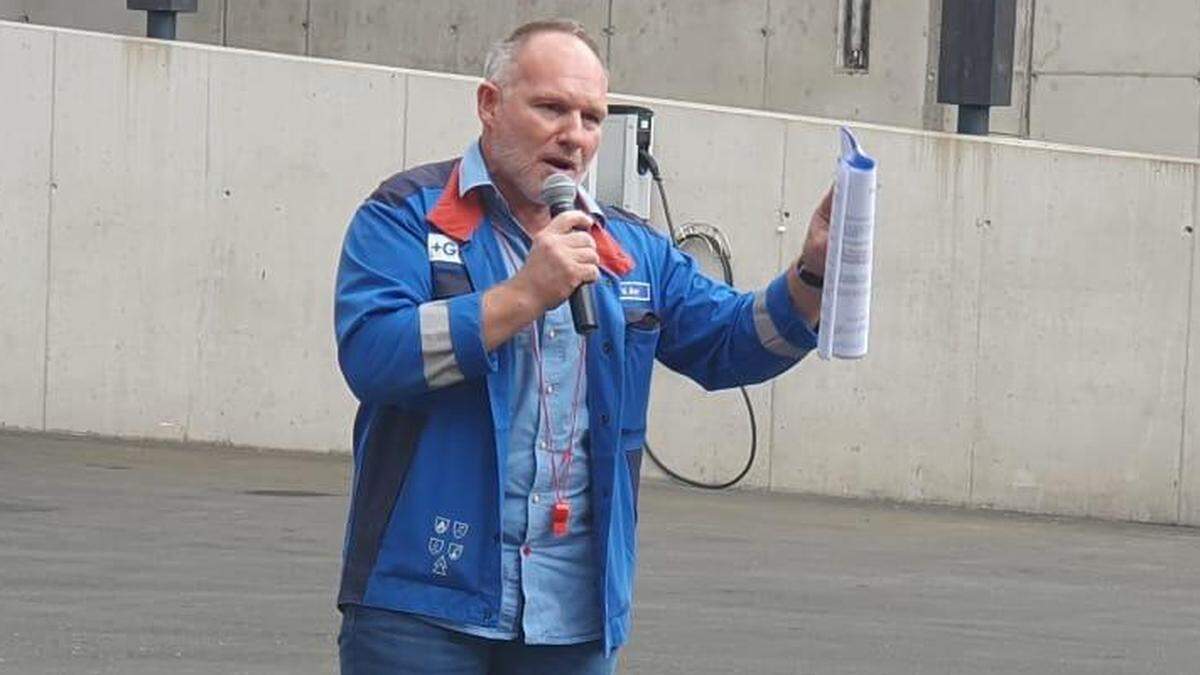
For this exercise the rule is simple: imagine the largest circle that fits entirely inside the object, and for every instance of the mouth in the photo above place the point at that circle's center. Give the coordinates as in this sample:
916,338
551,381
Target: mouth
560,164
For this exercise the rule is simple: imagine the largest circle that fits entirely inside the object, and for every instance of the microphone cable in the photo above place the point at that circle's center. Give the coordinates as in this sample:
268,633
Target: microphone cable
710,237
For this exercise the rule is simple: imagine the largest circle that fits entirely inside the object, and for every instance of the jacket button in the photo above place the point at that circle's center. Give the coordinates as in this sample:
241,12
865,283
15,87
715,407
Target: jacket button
606,347
604,418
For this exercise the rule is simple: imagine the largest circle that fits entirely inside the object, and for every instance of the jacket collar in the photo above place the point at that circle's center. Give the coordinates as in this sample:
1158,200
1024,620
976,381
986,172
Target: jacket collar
459,212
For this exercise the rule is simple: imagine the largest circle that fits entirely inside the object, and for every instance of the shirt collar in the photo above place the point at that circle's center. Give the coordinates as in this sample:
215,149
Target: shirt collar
473,173
473,170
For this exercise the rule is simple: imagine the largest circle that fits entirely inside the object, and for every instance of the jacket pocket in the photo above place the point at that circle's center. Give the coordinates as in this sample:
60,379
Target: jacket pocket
641,340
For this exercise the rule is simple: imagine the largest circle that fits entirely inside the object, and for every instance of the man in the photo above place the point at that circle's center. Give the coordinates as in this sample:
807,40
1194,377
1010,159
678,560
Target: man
497,452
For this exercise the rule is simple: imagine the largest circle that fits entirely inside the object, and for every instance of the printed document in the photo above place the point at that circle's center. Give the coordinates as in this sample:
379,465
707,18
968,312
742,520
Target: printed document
846,295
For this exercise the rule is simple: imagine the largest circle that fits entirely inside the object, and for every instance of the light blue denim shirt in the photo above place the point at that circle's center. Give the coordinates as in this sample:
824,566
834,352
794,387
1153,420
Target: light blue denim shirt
551,585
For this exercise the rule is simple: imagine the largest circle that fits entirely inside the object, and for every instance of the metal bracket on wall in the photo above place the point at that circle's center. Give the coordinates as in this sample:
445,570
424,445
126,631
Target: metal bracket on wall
853,35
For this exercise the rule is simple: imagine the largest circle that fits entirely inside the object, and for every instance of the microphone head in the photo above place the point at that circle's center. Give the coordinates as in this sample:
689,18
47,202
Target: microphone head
558,190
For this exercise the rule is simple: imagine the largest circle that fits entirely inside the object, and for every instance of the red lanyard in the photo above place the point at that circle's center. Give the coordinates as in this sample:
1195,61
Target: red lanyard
560,460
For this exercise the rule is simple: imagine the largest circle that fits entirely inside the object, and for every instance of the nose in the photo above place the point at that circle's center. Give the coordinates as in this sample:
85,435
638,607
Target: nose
573,135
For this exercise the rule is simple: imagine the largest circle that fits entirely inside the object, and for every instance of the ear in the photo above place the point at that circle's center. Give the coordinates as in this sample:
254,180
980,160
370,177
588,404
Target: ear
487,102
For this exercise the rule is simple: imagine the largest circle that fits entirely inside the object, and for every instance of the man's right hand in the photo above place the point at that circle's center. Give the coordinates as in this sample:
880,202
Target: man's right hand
561,258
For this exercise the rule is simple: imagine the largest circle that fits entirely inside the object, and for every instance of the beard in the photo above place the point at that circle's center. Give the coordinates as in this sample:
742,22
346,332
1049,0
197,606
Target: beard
522,170
517,169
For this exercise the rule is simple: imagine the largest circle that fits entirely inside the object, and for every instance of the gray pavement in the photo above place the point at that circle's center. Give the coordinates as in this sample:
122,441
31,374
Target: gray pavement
139,559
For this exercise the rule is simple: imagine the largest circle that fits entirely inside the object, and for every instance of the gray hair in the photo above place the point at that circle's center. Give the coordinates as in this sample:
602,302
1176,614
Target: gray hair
497,67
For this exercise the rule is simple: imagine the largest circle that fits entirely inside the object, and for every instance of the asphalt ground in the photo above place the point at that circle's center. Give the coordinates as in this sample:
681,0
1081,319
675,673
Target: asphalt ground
137,558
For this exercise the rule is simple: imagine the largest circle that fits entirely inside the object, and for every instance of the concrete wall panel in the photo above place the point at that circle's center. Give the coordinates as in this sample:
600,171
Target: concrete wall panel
207,25
111,16
778,55
897,424
651,42
723,169
359,30
13,10
1189,450
1117,36
802,73
449,36
1083,320
267,369
269,25
26,77
1143,114
705,435
441,119
129,162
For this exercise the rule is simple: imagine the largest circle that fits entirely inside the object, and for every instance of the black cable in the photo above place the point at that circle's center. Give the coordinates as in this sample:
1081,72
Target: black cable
647,161
722,254
729,483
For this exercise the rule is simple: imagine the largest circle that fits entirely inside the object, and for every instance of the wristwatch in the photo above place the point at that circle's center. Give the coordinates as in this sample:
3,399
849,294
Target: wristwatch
808,278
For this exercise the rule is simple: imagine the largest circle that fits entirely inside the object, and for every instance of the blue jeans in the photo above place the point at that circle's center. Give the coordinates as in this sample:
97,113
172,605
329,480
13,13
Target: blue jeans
378,642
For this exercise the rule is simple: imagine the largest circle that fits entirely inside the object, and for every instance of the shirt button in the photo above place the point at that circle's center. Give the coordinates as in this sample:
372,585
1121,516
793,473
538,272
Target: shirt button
549,389
526,549
536,498
543,444
553,333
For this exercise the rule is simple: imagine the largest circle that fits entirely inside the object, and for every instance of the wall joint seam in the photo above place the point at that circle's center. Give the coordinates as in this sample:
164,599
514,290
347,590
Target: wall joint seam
780,259
52,185
1187,356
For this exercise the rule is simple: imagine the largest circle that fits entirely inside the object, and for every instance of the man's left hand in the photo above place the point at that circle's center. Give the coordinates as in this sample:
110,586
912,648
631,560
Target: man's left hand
805,297
817,239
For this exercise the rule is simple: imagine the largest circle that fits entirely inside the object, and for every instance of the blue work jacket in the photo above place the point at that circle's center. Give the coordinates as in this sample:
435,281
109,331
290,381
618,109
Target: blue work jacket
432,429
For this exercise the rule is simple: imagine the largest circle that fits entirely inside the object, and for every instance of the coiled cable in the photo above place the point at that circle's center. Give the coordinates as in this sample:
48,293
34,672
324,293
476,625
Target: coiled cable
711,238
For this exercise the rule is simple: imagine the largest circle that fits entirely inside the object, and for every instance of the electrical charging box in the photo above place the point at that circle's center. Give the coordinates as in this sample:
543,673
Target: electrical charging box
617,176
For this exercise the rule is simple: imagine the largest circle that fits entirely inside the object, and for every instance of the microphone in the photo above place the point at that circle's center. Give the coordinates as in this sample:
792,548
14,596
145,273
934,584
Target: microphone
558,193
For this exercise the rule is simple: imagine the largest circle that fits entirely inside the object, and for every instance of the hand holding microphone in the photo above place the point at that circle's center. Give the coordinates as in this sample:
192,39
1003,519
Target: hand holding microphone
559,193
562,261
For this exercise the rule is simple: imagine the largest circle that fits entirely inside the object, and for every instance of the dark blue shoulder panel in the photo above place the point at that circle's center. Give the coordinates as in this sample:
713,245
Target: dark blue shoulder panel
399,187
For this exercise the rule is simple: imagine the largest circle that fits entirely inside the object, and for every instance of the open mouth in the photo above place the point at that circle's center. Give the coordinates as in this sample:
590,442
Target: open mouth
560,164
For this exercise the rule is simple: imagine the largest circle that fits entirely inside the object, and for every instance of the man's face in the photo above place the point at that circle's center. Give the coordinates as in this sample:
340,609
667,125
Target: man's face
546,118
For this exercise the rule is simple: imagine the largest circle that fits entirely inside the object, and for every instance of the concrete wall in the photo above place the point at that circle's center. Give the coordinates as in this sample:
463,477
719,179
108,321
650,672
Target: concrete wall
111,16
1029,337
170,217
1105,73
25,57
774,54
1114,73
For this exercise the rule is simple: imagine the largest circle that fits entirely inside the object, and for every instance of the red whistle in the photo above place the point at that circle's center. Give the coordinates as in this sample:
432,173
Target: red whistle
561,516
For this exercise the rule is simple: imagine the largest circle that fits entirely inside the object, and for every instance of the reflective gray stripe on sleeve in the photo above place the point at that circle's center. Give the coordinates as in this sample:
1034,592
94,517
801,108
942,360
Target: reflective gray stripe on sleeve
767,335
437,350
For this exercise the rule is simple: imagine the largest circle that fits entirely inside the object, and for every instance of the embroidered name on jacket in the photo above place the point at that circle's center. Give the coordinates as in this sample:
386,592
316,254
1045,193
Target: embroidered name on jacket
635,291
